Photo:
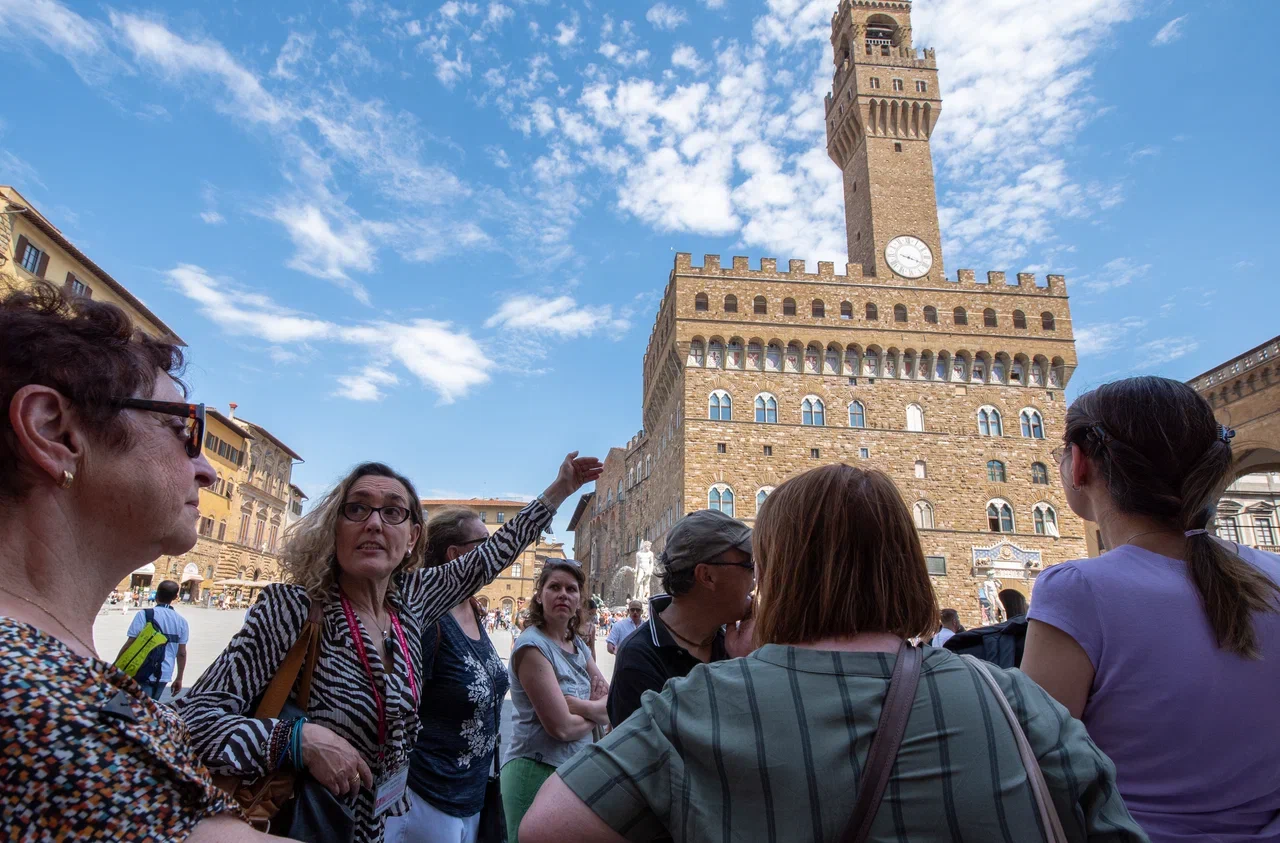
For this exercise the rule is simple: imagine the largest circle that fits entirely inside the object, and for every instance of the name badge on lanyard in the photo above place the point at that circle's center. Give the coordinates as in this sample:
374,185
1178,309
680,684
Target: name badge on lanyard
392,785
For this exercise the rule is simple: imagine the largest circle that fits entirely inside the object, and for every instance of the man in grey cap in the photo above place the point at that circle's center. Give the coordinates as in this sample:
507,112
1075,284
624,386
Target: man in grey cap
708,577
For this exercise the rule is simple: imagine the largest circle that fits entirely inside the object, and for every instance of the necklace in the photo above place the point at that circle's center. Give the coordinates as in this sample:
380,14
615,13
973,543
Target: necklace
52,617
693,644
1140,535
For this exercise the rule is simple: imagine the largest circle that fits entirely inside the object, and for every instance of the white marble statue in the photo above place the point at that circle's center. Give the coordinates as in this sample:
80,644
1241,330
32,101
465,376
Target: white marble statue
989,599
644,570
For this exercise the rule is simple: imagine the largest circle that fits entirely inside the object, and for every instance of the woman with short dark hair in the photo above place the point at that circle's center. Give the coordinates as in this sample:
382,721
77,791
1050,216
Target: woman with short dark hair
100,473
1167,646
776,746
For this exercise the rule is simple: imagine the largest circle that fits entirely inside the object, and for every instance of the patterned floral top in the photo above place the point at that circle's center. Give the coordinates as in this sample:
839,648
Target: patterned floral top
219,708
85,754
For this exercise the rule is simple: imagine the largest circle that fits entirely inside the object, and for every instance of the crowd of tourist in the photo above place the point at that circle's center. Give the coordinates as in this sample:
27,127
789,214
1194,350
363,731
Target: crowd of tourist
795,682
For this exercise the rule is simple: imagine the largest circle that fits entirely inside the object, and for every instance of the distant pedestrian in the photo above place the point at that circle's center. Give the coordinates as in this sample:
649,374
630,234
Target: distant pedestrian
708,576
777,745
168,661
588,631
623,627
950,626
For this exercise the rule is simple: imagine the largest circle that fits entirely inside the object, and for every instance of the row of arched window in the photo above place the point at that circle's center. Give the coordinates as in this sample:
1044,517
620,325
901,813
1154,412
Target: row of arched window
871,312
853,360
813,413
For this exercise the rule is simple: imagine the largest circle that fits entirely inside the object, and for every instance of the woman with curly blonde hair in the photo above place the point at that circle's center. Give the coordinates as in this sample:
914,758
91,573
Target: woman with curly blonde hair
357,558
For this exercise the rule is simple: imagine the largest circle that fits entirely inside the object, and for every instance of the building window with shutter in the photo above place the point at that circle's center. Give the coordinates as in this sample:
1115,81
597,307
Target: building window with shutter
76,287
31,258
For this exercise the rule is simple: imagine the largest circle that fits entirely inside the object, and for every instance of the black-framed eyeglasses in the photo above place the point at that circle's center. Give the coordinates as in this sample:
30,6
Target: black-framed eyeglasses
193,437
749,565
360,512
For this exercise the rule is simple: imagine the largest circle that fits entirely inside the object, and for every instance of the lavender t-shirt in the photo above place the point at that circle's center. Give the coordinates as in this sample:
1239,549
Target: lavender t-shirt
1194,731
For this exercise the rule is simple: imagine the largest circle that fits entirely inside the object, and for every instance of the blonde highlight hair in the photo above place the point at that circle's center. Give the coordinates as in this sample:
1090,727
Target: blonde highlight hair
310,558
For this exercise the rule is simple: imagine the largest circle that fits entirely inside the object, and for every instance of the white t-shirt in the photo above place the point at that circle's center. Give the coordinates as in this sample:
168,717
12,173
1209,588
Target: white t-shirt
621,629
941,637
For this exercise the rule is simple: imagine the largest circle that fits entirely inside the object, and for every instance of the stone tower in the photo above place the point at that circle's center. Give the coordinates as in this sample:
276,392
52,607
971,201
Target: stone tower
881,111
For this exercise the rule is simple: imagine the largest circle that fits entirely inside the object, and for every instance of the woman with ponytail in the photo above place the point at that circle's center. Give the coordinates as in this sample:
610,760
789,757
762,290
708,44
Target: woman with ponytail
1167,646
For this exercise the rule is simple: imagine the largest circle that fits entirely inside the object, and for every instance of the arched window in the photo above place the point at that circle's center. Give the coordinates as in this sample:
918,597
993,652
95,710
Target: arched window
788,307
1037,374
1039,474
760,306
940,367
999,516
517,570
1032,427
989,318
1046,321
997,371
819,309
915,418
700,302
730,304
831,366
995,471
857,415
773,358
812,412
720,406
899,313
989,423
979,372
961,318
733,358
921,469
697,353
755,356
720,498
761,496
871,363
1046,520
931,314
923,514
1019,319
873,312
846,310
766,409
231,488
813,360
715,355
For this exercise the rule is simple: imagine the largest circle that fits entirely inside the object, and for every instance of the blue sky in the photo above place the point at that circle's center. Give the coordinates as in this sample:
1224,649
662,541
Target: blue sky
437,234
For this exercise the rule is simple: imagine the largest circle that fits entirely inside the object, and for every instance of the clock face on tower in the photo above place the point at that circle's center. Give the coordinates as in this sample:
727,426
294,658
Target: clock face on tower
908,256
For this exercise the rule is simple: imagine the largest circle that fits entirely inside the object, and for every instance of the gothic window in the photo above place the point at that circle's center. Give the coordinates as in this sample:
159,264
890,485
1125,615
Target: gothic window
762,496
1032,426
1019,319
1046,321
720,498
788,307
989,422
873,312
715,355
773,358
1045,519
857,415
921,469
846,310
931,315
960,316
730,304
999,516
995,471
923,514
812,412
760,305
899,313
720,406
819,309
754,356
989,318
766,409
1039,474
697,353
915,418
733,360
700,302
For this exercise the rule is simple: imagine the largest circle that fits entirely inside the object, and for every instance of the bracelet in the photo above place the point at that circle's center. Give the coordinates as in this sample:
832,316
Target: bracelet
542,499
295,744
281,734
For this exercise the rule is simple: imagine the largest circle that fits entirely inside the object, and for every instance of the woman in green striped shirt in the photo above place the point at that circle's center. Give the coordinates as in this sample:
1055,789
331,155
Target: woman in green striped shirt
773,746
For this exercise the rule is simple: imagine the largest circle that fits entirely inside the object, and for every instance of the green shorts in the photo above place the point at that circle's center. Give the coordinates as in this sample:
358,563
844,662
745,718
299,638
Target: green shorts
521,779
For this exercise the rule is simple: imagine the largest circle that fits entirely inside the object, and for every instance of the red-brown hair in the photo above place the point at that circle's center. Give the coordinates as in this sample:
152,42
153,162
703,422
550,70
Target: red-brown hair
837,554
89,351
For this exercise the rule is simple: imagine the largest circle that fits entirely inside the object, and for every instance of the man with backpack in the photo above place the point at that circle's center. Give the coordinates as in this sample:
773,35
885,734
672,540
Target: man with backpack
157,642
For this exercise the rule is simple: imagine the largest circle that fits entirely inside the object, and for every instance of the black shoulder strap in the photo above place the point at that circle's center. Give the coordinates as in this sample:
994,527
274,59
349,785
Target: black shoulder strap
150,616
884,746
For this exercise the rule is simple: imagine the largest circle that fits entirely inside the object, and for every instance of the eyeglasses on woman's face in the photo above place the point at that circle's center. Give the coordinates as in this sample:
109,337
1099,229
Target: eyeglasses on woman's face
191,432
1060,453
360,512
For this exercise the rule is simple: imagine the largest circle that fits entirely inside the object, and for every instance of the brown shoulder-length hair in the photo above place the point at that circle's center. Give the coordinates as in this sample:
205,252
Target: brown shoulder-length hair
444,530
536,617
836,555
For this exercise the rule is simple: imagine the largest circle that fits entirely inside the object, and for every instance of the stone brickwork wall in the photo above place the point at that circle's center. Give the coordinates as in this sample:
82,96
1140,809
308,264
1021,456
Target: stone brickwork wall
1245,394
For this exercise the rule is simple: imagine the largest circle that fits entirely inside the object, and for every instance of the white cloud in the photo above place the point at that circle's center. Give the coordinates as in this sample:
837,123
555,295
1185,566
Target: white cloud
450,70
322,250
621,56
1119,272
212,217
1104,337
1164,350
81,42
297,48
713,4
687,57
562,316
442,358
498,14
1143,152
499,157
567,33
1243,265
666,16
1169,33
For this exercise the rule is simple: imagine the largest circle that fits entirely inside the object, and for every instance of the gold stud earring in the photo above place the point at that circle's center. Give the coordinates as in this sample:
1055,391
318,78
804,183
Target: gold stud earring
67,479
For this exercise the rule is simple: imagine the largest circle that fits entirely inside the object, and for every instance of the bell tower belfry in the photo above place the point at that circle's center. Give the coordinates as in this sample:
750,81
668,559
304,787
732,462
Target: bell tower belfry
880,113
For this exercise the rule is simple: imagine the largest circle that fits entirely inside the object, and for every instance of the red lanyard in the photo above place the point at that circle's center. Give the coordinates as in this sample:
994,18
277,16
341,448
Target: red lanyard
353,624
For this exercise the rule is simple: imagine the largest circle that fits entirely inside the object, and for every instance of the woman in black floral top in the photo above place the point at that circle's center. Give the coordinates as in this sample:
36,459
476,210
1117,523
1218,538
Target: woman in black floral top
100,471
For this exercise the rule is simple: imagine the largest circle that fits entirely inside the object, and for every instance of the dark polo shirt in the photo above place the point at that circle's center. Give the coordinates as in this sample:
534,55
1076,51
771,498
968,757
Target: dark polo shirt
648,658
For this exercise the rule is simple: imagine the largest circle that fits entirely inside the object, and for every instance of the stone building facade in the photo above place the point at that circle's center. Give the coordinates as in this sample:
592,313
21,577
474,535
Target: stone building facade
513,589
953,387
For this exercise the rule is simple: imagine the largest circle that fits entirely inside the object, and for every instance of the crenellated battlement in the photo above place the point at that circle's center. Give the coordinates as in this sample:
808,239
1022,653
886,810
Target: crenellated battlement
797,271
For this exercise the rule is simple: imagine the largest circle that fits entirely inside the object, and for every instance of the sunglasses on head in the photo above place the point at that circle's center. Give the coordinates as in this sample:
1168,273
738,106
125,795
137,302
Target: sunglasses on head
193,437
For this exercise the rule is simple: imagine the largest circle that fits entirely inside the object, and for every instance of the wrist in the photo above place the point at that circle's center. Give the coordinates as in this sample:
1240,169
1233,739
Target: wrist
554,495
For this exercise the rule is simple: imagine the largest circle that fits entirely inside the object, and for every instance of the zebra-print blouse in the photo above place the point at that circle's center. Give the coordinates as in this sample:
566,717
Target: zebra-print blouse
217,709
